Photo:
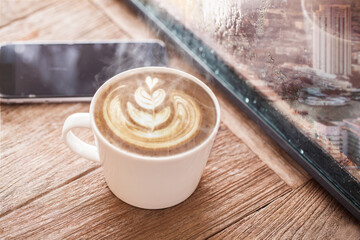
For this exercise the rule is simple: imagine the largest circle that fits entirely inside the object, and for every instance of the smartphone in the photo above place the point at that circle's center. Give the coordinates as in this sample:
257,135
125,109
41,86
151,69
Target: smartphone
69,72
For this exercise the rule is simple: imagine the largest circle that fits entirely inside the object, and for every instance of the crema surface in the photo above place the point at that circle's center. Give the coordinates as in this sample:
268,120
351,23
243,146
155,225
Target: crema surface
155,114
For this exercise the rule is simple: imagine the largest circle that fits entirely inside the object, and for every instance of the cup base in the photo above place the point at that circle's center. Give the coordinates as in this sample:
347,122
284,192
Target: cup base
151,205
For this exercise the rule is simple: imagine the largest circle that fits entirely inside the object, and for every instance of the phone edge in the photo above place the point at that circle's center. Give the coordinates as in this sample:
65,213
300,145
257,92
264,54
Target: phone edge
44,100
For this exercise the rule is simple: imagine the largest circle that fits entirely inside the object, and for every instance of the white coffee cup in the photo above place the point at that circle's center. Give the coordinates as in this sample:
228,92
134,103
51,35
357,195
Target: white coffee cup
143,181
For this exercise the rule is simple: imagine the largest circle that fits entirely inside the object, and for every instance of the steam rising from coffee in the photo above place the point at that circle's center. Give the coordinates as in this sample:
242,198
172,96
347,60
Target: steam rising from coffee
156,114
128,55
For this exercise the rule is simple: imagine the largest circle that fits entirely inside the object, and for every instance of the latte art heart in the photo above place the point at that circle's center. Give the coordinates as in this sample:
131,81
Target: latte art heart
149,100
155,115
141,127
148,120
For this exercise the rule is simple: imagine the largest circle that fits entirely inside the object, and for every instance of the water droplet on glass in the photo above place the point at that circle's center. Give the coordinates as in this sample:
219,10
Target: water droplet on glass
246,100
301,151
254,102
216,71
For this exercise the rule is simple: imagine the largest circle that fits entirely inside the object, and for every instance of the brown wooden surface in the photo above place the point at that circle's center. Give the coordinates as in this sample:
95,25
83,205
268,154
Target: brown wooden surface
306,213
250,188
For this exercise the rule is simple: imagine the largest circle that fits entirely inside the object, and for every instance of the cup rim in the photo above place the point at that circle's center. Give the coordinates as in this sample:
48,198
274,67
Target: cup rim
160,70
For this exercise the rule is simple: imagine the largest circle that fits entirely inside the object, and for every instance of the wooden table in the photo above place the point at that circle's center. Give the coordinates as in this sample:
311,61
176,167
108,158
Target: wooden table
250,188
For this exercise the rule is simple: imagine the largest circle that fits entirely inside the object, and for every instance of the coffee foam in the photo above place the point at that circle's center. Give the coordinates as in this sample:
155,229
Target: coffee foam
155,115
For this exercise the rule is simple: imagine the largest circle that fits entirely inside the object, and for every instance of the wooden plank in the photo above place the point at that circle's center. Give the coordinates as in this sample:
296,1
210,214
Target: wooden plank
261,144
235,183
120,13
65,20
11,10
33,158
306,213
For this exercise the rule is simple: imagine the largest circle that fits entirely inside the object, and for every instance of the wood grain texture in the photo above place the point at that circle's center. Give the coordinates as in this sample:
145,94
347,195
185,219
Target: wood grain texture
306,213
235,183
11,11
120,13
33,158
261,144
64,20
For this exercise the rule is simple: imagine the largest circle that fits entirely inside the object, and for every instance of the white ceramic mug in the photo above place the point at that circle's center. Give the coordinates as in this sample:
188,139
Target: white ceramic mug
143,181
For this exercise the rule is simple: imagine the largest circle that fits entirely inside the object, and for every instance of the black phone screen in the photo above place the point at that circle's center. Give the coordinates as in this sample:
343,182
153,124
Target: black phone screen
70,70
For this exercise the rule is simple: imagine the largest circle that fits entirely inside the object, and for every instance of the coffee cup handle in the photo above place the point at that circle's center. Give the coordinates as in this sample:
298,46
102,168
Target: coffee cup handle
79,120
